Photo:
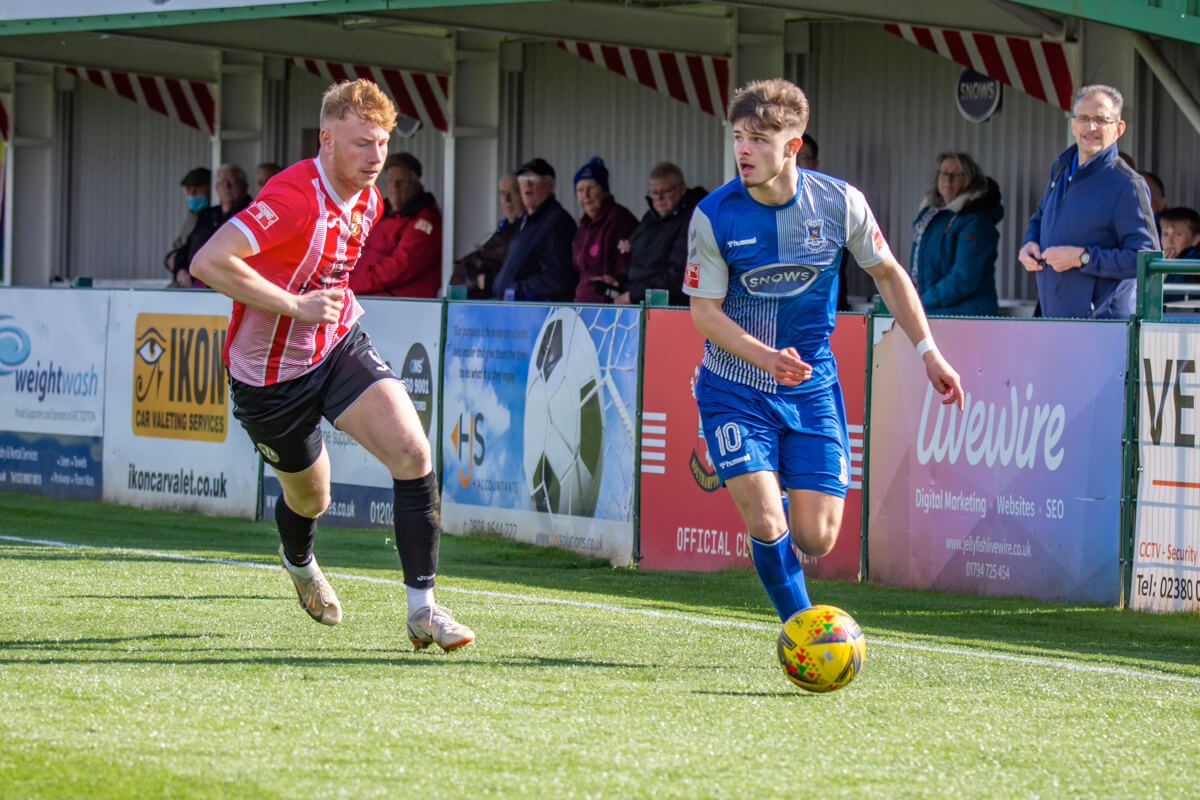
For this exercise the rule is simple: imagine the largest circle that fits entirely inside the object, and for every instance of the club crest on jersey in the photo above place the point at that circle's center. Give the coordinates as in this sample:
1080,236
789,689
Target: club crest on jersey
263,214
813,239
779,280
356,228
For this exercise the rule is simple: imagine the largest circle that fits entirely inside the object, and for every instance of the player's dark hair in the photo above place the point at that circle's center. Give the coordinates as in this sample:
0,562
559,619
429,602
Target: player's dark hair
770,105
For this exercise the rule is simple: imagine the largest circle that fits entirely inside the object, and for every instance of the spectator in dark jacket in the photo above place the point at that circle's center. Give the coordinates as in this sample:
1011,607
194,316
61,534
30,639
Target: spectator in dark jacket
955,240
601,245
232,196
1093,218
477,269
658,246
538,265
196,187
402,256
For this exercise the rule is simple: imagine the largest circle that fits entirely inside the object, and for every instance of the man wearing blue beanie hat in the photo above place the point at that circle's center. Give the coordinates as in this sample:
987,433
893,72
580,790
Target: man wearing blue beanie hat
601,246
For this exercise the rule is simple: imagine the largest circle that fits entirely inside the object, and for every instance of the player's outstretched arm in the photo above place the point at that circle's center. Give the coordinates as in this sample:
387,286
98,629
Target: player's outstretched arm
901,297
221,264
785,365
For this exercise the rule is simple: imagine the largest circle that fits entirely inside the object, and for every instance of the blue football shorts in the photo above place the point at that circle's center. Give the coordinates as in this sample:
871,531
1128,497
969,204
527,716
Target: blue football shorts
802,437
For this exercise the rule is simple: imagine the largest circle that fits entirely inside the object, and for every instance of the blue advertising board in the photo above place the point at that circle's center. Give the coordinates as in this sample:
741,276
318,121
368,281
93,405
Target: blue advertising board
539,407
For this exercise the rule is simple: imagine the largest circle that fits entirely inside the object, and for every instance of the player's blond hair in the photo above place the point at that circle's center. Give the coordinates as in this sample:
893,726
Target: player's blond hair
362,98
770,105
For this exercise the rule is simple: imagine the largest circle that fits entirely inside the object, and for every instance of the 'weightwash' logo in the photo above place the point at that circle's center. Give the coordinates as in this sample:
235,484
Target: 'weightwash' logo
779,280
179,377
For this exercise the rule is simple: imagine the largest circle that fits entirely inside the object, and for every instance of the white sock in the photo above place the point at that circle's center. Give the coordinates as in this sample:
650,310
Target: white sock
306,572
418,598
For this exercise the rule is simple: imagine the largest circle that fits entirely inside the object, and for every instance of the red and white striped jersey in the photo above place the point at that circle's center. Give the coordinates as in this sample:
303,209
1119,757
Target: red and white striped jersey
304,238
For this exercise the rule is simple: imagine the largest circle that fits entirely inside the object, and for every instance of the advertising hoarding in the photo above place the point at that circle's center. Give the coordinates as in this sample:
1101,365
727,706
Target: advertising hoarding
538,434
52,383
1020,494
170,440
1166,547
688,520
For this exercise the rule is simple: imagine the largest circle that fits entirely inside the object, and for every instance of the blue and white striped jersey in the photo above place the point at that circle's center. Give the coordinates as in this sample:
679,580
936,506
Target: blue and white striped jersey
777,269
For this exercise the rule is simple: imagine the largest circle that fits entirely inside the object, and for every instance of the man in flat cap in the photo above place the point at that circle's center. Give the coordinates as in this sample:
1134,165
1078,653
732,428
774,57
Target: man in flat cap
538,265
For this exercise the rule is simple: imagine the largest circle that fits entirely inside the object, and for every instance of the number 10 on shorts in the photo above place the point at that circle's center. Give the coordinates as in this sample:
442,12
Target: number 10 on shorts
729,438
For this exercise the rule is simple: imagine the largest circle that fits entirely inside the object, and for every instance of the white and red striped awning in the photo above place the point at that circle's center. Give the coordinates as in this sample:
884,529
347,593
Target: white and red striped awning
700,81
191,102
419,95
1037,68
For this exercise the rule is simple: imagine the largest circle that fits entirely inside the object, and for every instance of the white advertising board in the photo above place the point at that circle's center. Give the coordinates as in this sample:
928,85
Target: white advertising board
52,379
170,439
52,361
1166,549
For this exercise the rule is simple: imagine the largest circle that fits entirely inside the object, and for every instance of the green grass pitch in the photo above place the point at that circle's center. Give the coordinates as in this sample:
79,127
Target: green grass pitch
150,654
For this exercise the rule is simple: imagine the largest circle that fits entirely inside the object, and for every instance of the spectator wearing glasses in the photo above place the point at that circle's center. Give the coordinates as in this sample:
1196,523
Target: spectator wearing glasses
402,256
538,264
232,196
1093,218
955,240
658,246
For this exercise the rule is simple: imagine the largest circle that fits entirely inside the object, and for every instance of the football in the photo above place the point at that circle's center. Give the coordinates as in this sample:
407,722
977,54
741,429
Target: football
821,648
564,418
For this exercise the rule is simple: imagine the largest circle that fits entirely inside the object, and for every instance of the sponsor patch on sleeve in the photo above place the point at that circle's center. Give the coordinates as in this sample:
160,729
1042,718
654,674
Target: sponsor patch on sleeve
878,240
691,276
263,214
424,226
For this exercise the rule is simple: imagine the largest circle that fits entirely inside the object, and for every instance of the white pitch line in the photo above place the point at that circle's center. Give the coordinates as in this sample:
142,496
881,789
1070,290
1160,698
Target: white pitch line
646,612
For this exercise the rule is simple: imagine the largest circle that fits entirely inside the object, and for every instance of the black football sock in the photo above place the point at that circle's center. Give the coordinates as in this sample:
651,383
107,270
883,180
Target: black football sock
418,525
296,532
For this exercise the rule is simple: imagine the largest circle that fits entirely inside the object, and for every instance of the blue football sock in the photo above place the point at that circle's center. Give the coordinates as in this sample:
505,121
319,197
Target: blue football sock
781,574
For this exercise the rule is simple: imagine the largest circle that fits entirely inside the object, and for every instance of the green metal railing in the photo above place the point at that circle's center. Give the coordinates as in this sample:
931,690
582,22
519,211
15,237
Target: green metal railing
1151,267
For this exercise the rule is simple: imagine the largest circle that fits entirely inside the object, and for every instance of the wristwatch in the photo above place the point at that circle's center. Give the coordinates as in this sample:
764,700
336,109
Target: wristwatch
1084,258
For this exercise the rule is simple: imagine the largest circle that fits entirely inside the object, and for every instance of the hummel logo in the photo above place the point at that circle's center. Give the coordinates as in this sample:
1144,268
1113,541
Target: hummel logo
740,242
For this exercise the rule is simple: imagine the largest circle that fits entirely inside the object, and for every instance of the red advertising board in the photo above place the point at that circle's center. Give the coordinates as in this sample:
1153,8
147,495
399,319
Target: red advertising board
688,521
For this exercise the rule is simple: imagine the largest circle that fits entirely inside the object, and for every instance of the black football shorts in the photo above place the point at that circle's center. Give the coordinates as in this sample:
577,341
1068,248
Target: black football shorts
284,419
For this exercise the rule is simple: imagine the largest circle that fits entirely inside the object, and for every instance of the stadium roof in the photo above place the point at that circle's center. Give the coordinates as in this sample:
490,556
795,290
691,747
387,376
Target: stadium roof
1176,20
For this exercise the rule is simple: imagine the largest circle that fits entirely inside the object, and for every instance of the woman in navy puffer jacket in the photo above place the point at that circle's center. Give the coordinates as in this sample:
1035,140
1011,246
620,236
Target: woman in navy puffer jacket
955,238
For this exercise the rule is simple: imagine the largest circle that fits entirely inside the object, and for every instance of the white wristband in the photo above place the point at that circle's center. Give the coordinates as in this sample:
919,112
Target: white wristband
924,346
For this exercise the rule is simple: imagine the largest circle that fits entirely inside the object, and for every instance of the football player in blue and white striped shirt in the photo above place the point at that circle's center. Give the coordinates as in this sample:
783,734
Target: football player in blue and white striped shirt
762,273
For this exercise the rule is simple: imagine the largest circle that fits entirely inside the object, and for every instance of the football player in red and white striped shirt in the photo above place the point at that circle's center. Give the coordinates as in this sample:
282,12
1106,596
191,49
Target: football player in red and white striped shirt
295,353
